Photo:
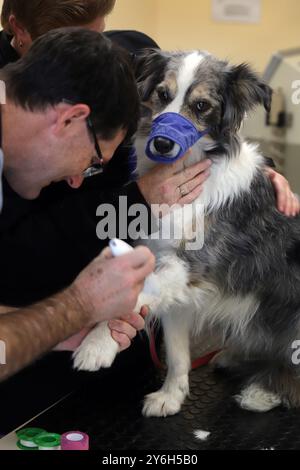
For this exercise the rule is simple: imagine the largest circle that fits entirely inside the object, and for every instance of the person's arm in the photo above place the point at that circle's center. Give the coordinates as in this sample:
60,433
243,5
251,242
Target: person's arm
287,202
104,290
123,330
29,333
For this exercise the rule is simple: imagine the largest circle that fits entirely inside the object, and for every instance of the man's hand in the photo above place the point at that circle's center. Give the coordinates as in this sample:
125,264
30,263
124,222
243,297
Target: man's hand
169,184
104,289
287,201
109,286
123,331
72,343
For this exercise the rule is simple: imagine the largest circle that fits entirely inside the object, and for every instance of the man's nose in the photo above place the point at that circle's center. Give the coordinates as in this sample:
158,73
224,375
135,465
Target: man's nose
75,181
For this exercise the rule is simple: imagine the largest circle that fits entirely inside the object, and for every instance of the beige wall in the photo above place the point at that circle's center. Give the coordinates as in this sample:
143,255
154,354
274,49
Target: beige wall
134,14
188,24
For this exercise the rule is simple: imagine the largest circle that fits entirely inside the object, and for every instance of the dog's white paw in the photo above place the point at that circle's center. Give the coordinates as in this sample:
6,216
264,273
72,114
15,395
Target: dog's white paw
161,404
98,350
256,398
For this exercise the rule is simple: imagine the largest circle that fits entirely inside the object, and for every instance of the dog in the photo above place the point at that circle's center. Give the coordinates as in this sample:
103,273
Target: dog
245,281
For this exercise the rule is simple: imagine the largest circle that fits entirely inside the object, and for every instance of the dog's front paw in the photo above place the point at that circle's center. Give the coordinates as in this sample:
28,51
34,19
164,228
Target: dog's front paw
162,404
98,350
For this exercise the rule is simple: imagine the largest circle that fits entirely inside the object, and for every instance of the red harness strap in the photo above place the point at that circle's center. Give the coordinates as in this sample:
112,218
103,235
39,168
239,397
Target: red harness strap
201,361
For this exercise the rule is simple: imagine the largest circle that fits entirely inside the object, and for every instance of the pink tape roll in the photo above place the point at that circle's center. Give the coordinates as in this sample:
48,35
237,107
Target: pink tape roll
75,440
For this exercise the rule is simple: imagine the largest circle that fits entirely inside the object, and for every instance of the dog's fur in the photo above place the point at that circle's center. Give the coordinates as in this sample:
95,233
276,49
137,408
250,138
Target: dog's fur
245,281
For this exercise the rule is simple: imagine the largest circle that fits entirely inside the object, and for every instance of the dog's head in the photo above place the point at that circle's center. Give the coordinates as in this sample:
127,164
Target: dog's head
210,92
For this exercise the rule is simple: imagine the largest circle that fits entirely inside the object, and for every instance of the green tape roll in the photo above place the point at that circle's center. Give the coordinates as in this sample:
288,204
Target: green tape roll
48,441
21,447
26,437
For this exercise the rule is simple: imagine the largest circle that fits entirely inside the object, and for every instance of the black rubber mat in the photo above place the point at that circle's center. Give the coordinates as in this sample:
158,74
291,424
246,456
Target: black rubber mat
110,412
46,381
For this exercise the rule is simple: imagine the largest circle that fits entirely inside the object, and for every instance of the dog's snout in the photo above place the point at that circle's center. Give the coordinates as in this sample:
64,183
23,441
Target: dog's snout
163,146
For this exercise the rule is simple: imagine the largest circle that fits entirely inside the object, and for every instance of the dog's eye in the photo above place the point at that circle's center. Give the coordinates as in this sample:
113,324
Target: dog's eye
163,96
202,106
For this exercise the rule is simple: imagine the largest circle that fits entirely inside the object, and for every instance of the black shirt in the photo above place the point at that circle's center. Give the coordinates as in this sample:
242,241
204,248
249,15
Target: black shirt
45,243
7,52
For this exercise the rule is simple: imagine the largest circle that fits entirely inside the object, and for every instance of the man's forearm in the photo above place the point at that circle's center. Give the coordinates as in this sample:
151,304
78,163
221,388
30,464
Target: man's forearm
30,332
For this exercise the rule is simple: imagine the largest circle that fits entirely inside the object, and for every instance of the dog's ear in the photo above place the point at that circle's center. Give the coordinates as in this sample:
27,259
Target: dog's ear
149,71
243,92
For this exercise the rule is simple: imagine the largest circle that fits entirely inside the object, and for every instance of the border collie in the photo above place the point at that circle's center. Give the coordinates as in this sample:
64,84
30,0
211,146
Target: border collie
245,281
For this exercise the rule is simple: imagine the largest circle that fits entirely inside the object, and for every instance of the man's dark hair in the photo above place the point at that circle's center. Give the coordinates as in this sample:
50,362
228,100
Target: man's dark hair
79,66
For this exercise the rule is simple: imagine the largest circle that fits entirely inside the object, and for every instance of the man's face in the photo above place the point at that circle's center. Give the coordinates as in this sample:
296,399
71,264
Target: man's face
52,155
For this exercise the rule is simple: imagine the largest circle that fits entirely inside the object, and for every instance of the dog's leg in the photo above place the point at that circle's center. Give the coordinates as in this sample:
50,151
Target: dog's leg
168,400
97,350
172,277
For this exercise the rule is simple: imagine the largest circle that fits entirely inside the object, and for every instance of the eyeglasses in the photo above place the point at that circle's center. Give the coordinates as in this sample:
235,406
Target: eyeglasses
96,168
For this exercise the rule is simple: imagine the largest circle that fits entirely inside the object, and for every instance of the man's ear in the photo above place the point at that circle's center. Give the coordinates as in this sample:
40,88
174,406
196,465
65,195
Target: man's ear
149,71
243,92
69,114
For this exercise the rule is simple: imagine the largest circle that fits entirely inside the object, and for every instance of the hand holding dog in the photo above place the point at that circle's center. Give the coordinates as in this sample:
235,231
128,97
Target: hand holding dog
169,184
166,184
123,331
287,201
110,286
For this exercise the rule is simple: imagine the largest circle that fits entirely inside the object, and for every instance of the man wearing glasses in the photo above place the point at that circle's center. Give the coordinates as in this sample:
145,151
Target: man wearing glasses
65,115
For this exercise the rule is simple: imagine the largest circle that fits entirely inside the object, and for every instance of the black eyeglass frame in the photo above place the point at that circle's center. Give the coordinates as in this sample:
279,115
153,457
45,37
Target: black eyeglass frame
97,168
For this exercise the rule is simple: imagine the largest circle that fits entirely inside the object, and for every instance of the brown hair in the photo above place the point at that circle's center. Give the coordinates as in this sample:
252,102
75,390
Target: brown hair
41,16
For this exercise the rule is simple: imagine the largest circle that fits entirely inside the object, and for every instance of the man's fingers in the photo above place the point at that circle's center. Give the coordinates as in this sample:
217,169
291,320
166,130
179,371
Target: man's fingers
194,183
122,340
189,173
141,274
281,196
140,257
72,343
191,196
106,253
123,327
144,311
135,320
289,203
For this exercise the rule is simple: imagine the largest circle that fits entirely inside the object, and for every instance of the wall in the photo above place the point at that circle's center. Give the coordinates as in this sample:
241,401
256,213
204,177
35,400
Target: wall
188,24
135,14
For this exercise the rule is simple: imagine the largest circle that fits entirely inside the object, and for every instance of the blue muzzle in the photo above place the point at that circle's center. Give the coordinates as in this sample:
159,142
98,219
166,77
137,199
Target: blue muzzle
172,135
